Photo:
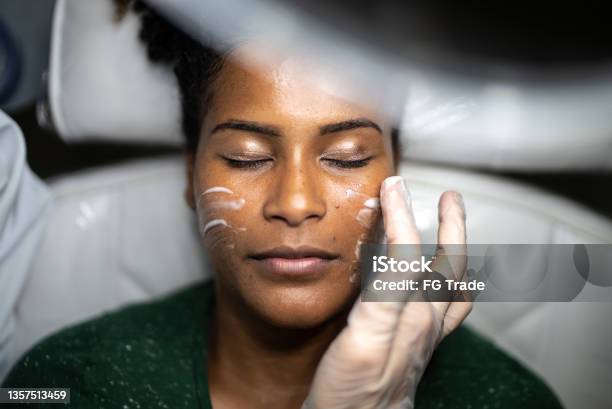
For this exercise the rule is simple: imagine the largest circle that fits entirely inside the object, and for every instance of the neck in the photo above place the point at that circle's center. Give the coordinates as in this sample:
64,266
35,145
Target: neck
266,365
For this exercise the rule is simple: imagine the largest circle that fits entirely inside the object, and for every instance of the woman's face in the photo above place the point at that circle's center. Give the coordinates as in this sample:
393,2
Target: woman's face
285,182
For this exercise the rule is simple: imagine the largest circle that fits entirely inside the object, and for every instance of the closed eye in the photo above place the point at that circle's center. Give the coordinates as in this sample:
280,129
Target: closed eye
347,164
247,164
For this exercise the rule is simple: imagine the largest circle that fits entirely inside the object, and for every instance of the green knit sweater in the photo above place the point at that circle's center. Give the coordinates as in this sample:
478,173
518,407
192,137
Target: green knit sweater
153,355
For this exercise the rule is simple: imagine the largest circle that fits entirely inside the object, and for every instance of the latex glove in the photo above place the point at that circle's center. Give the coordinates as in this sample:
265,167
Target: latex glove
377,361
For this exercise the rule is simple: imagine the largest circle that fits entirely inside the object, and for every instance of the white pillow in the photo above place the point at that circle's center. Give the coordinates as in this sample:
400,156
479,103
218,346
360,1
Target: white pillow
101,83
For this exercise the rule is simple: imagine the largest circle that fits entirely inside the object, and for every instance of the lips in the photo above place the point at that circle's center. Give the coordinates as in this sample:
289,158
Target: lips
297,262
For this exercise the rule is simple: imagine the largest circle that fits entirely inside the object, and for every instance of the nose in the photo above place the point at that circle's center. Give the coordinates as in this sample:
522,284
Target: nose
294,198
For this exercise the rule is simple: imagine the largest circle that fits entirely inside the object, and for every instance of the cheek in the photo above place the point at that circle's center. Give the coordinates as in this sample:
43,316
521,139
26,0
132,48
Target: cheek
359,214
219,211
368,214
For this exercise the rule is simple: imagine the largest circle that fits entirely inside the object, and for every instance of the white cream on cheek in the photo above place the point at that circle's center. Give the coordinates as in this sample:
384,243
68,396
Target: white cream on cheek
371,206
358,246
213,223
225,205
351,193
217,189
365,217
214,230
372,203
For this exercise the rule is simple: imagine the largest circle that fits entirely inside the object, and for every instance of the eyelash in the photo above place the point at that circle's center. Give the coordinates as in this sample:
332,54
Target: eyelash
258,163
348,164
246,164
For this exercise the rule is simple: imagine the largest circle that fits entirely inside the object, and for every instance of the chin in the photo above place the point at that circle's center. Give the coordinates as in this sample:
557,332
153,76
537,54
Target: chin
302,307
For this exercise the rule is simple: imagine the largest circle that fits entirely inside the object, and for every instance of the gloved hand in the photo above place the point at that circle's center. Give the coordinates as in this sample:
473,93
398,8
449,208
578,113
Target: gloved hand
378,359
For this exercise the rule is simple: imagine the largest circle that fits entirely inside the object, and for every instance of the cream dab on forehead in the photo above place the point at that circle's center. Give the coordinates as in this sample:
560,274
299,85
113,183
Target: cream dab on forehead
302,83
325,78
296,72
301,92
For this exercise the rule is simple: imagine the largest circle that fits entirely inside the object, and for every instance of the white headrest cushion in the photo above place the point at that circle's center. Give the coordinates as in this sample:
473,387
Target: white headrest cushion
101,83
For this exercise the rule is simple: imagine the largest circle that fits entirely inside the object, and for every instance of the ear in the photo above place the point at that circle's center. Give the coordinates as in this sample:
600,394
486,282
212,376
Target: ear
189,165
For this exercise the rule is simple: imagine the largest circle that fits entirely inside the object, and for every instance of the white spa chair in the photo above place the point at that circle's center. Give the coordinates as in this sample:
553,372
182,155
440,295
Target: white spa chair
123,234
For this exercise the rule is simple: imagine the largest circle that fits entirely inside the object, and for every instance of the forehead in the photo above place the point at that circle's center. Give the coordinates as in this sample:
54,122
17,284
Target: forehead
288,88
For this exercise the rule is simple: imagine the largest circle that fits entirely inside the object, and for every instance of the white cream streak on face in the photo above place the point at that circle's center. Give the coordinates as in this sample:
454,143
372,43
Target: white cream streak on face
212,224
358,246
225,205
215,230
217,189
371,205
355,262
365,216
370,202
352,193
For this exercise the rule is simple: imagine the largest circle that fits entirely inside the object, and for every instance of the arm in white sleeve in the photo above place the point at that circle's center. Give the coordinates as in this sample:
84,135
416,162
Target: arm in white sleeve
24,201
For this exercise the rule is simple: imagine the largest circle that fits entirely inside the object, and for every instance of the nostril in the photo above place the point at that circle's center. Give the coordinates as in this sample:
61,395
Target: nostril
295,212
295,198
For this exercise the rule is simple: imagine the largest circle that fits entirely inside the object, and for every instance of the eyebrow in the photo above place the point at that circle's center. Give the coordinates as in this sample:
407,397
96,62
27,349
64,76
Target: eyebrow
348,125
255,127
247,126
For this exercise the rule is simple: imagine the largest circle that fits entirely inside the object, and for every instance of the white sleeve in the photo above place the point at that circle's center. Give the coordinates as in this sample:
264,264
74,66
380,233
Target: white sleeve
24,203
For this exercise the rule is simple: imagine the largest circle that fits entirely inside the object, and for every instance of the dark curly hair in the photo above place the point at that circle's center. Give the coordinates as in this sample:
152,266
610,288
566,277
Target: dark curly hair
195,65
